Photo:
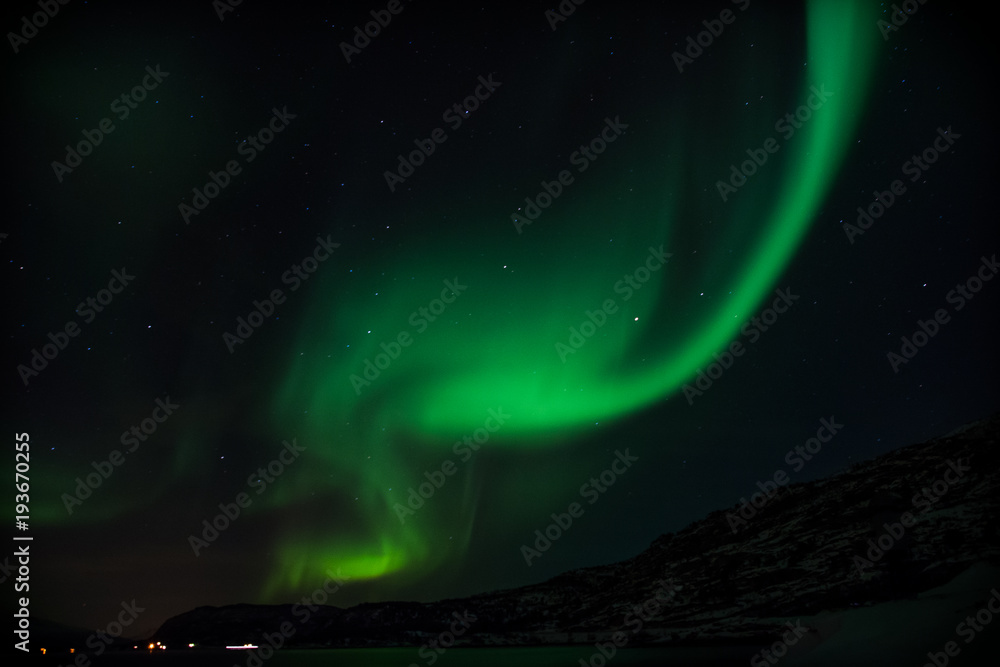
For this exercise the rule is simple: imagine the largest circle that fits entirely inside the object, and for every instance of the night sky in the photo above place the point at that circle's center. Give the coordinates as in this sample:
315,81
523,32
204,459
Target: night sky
404,323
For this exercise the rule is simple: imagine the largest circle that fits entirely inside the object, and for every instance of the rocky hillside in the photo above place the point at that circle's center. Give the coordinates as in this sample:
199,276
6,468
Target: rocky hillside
885,529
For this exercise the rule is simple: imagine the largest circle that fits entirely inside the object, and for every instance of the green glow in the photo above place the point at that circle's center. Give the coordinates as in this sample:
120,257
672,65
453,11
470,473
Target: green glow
494,347
503,354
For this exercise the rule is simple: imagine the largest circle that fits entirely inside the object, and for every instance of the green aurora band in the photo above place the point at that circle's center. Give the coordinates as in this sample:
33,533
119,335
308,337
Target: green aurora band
495,346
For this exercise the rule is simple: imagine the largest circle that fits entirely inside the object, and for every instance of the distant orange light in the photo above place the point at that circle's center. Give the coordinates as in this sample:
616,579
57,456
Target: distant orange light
72,650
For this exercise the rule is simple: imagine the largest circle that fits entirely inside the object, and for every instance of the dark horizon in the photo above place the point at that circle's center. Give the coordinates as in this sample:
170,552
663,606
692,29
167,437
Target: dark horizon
902,563
337,582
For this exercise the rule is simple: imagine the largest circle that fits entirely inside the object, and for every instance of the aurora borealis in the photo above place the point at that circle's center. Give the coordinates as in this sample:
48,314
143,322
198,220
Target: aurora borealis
436,330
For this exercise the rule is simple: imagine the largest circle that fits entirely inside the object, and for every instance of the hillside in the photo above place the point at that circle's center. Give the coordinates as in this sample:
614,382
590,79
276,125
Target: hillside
804,552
